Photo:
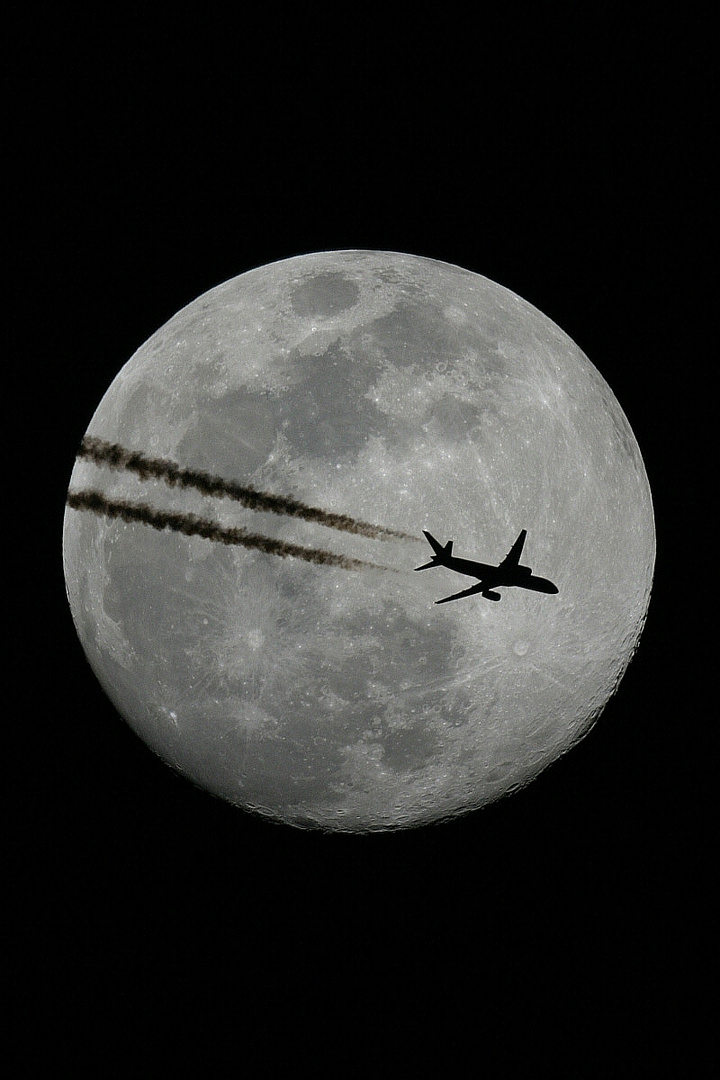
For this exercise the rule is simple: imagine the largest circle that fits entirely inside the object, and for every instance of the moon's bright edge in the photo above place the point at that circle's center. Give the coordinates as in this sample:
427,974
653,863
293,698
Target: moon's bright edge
405,394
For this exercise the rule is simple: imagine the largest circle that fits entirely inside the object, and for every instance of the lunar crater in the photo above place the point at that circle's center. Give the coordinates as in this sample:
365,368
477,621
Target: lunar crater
324,295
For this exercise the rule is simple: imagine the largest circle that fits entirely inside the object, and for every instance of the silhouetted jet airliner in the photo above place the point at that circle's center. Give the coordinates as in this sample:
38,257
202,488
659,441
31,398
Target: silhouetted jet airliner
509,572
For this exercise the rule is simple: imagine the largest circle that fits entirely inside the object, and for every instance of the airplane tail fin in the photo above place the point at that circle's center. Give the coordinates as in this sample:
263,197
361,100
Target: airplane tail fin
442,552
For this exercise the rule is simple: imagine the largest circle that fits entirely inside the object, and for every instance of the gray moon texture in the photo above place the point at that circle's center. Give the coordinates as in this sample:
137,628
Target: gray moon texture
406,393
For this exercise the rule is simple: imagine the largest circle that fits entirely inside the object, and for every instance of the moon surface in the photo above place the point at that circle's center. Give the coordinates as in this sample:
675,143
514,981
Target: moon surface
246,510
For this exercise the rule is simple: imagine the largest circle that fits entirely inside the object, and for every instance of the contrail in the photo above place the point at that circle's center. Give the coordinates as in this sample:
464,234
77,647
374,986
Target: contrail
118,457
192,525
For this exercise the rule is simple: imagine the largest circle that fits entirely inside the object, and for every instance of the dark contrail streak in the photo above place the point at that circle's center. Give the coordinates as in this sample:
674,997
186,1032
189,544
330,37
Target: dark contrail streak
192,525
118,457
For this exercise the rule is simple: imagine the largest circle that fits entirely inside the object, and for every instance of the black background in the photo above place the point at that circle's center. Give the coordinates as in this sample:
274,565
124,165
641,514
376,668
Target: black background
559,151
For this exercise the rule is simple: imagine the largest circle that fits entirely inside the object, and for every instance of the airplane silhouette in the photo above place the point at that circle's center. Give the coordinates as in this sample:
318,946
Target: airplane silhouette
509,572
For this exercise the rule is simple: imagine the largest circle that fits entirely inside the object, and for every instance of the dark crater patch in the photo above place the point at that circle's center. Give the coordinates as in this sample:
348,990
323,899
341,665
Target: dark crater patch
410,748
327,414
233,436
456,419
324,295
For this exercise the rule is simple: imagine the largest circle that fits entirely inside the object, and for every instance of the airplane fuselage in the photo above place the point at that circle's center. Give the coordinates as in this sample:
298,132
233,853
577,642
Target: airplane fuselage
508,573
493,576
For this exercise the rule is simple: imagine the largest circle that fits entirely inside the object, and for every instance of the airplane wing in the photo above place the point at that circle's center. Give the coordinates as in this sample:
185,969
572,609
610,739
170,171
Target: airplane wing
466,592
513,556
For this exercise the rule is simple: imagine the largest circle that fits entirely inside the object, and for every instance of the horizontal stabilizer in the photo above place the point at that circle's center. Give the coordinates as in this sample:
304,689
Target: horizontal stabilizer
441,552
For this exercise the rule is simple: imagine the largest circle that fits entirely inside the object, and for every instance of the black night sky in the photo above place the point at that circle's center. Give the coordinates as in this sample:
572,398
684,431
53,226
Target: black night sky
563,155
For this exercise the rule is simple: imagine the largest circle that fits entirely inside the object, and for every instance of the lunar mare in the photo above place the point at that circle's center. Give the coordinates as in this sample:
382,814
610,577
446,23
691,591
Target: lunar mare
370,387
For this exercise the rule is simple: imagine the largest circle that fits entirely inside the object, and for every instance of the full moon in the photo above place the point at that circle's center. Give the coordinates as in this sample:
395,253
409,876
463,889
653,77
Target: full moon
247,508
